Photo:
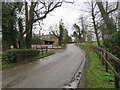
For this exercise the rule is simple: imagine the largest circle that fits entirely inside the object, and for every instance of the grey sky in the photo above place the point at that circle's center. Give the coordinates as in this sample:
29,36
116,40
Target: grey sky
68,12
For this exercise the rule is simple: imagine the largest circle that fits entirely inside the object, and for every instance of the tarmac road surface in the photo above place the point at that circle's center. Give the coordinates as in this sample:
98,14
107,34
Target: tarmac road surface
51,72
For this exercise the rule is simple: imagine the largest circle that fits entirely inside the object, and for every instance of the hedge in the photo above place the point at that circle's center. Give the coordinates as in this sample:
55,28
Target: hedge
112,44
16,55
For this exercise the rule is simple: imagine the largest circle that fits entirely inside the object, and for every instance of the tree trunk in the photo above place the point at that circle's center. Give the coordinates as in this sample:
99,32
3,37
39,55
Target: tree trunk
21,34
59,41
102,35
29,25
119,17
95,28
28,41
109,24
83,29
29,36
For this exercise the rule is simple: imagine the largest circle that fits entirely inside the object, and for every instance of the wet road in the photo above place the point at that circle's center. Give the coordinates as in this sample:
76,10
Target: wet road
51,72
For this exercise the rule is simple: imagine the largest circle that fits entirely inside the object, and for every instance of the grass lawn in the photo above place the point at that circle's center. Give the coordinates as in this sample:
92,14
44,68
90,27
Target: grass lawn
96,75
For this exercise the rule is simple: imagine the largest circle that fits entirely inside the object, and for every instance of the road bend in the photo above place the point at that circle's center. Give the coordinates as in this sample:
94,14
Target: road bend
51,72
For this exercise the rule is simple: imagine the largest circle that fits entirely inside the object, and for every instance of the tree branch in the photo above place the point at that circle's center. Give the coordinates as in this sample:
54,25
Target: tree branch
55,34
69,2
48,11
114,8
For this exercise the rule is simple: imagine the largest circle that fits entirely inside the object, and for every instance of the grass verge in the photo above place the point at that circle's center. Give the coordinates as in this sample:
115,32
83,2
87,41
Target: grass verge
27,59
96,75
94,43
45,54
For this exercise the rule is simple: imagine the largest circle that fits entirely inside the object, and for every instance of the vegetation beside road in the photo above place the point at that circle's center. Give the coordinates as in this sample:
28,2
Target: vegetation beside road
96,75
94,43
45,54
27,59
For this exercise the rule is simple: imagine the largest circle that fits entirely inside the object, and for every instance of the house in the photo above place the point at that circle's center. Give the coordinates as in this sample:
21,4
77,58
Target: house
49,39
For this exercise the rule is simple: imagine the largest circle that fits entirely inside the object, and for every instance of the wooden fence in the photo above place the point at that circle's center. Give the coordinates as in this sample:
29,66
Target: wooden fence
42,49
49,46
105,58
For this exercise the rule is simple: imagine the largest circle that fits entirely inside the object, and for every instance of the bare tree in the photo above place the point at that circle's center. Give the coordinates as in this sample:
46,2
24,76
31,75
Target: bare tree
94,17
84,27
58,32
105,14
94,23
37,11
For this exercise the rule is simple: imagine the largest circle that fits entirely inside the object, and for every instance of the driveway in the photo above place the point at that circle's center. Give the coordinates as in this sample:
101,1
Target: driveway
51,72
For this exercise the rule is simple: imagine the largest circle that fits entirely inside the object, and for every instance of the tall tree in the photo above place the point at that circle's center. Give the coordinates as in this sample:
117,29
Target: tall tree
66,37
94,23
77,33
109,24
21,33
9,31
59,32
83,28
37,11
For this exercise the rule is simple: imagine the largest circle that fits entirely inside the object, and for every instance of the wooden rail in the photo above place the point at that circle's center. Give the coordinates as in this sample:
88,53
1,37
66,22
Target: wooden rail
42,49
104,56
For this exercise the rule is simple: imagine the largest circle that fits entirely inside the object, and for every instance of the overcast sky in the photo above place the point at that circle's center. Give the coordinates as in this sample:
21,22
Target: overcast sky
69,13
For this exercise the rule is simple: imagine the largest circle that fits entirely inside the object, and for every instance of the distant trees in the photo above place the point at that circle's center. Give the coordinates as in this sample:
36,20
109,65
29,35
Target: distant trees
61,33
77,33
36,39
66,37
89,35
80,29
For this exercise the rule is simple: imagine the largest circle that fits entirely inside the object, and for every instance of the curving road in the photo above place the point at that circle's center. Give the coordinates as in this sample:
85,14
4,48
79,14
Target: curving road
51,72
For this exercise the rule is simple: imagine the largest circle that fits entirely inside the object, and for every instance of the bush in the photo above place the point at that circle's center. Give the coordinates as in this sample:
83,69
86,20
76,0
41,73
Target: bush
36,39
112,44
16,55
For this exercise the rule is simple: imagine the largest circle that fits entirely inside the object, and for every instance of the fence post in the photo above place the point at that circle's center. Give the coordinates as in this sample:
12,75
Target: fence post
42,49
102,57
36,46
106,56
99,53
93,49
46,49
116,78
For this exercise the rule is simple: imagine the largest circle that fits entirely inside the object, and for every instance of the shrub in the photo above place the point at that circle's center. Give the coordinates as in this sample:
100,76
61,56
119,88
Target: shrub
36,39
13,56
112,44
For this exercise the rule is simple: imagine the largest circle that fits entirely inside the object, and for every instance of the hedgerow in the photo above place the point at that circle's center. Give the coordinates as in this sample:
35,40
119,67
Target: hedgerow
16,55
